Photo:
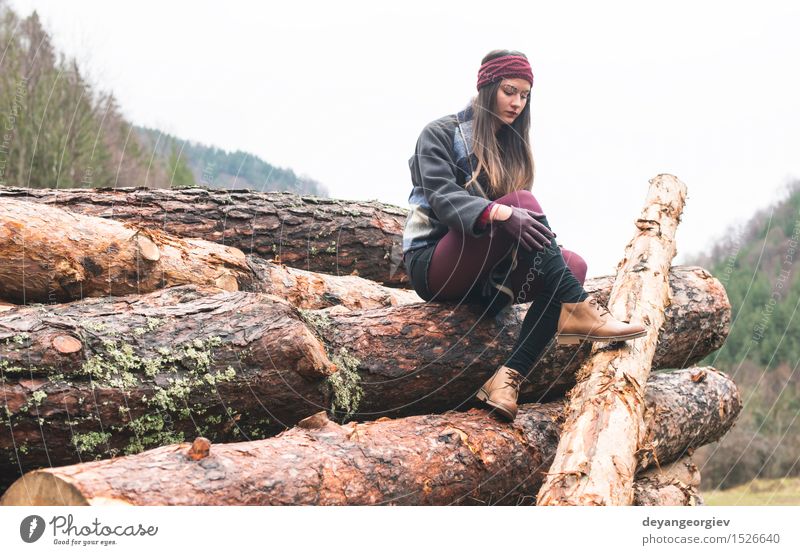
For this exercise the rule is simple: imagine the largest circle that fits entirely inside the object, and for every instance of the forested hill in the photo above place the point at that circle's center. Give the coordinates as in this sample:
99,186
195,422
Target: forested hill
758,265
60,131
216,168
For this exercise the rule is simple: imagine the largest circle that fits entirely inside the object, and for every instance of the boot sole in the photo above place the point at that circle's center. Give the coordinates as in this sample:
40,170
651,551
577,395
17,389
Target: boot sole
573,339
482,396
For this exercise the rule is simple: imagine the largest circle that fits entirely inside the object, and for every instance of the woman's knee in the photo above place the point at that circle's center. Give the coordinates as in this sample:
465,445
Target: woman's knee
522,199
577,265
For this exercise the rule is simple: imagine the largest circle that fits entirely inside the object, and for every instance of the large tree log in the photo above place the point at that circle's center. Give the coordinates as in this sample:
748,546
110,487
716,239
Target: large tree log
323,235
416,359
114,375
413,359
595,461
51,255
454,458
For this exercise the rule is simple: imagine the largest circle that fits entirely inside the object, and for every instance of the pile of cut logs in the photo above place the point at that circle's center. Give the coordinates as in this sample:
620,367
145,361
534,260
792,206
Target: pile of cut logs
202,347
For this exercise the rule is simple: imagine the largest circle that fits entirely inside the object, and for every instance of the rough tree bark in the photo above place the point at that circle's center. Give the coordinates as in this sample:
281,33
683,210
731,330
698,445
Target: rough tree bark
412,359
52,255
453,458
110,375
116,375
317,234
595,461
677,483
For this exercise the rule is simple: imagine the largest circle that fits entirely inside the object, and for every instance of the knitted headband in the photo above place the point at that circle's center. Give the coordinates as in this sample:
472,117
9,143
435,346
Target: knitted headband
504,67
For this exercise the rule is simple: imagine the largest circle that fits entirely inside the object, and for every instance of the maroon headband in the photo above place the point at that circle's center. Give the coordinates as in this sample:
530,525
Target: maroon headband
504,67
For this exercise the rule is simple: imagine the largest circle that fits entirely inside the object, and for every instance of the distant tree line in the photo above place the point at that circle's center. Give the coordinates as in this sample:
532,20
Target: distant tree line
58,131
758,265
218,169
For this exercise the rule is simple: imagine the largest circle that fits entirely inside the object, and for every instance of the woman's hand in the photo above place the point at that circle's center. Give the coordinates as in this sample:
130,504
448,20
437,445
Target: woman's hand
522,224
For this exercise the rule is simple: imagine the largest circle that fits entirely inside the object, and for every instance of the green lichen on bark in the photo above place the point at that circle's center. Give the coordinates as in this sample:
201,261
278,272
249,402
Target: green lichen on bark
180,380
149,431
345,383
175,375
98,327
88,442
38,397
317,320
21,339
7,368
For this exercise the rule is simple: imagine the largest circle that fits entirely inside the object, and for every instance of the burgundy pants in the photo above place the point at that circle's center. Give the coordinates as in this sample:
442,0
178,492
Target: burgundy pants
459,262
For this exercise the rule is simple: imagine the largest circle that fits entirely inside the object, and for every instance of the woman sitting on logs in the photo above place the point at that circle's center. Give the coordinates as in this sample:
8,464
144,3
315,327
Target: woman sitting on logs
475,232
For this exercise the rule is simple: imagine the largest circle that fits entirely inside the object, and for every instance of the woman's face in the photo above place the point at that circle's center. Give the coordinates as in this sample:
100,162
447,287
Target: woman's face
511,99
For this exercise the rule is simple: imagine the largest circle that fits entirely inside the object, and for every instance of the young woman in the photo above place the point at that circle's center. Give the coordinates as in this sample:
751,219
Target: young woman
475,232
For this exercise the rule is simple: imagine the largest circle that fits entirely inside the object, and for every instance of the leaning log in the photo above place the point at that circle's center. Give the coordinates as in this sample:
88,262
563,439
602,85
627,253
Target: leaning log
112,375
595,461
332,236
52,255
453,458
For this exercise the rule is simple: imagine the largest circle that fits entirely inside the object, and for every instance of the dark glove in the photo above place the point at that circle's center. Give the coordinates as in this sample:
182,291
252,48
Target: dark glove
523,226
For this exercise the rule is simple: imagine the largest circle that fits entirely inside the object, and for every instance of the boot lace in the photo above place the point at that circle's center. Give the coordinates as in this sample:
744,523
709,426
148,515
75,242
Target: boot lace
515,379
602,307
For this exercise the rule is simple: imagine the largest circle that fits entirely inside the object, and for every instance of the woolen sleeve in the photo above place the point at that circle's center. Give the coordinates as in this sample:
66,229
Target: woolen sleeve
433,169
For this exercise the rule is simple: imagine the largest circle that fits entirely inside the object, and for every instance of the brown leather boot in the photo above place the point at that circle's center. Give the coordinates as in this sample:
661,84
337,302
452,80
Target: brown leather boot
591,320
501,391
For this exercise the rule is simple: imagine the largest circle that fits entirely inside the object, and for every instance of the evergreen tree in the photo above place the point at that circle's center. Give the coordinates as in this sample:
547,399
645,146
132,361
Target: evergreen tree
180,174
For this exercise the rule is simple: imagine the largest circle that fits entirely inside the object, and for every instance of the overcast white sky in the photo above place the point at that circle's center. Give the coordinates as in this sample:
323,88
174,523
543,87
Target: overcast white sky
339,91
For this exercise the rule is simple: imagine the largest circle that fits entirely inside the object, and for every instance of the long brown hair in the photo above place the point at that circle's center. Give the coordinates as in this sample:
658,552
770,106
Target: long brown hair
504,156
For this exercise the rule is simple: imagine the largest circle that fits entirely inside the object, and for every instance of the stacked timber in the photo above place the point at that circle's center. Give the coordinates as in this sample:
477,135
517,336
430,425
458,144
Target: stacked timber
133,322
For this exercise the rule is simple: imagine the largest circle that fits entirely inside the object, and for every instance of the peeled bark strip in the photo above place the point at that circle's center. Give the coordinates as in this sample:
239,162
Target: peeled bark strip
313,290
405,360
333,236
677,483
453,458
51,255
595,461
